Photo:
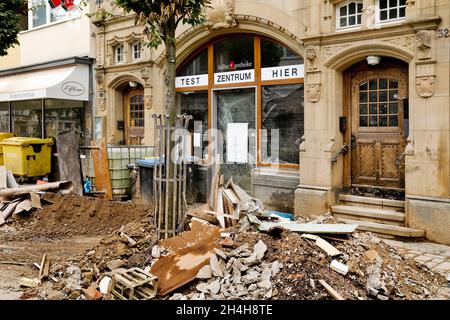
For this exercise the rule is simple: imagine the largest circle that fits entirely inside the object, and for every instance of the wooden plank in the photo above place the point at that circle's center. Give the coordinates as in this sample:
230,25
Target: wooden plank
101,170
16,263
219,209
231,195
197,213
23,206
323,244
35,200
44,268
69,162
309,227
3,177
331,291
9,209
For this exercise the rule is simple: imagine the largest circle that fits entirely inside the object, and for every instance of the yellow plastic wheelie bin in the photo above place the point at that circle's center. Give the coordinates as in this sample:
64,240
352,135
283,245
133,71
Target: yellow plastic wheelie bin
27,157
3,136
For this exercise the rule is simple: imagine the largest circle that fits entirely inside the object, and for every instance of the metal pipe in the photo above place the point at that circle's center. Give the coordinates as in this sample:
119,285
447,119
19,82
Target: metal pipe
167,167
154,172
160,162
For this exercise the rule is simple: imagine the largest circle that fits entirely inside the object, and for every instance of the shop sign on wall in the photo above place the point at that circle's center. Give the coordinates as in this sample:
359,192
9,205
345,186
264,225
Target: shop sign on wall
234,77
281,73
191,81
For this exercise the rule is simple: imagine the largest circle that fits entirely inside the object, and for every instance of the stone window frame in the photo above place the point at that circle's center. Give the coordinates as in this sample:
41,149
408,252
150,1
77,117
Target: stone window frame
135,52
398,7
117,54
338,15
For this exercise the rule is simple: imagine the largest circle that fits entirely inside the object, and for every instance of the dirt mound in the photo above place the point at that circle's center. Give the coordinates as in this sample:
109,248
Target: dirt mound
75,215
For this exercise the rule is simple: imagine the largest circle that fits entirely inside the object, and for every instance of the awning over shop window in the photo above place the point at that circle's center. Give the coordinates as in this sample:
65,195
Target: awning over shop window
71,83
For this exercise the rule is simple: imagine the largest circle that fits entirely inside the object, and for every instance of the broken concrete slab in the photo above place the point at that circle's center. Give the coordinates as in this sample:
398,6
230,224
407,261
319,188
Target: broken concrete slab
215,266
339,267
260,249
205,273
214,287
309,228
116,264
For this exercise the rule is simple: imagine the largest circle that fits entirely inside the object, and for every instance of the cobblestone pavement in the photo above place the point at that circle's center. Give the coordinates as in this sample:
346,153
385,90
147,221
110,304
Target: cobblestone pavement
434,256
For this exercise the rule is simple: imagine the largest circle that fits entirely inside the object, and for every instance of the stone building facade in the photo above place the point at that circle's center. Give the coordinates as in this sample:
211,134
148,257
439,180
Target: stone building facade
358,89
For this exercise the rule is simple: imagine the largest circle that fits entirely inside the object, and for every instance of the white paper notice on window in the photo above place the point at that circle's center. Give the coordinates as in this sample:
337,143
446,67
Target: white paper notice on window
237,142
197,140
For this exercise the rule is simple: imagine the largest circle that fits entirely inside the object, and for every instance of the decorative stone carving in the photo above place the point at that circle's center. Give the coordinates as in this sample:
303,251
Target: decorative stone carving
407,42
147,101
221,17
423,44
313,92
100,78
311,57
425,86
329,51
101,101
145,74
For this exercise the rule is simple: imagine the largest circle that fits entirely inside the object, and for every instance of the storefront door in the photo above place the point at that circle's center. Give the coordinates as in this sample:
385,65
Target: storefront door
134,117
377,137
235,118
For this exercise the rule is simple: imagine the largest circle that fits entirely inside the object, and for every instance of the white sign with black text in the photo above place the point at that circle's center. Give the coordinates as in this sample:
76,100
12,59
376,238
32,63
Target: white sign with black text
281,73
191,81
234,77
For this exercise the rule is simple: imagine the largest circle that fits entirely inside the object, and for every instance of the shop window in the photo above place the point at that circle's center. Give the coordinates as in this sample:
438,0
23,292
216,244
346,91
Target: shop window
196,105
234,54
198,65
137,50
389,10
63,115
4,117
349,15
118,52
282,123
137,111
42,13
26,118
277,55
378,106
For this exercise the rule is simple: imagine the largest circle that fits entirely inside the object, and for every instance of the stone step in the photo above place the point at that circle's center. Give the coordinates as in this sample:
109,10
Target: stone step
386,229
351,200
369,214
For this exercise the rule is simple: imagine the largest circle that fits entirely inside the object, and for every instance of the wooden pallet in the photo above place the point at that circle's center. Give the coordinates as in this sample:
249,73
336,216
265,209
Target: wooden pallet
134,284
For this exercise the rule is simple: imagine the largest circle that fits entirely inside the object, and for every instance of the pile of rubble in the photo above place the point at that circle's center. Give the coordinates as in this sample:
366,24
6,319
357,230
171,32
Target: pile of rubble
238,274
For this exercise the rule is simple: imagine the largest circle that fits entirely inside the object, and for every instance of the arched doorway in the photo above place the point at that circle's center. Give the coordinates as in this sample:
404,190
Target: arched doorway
250,89
133,114
377,112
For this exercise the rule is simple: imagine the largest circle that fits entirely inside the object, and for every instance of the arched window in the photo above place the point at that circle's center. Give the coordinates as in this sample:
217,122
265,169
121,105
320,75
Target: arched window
248,83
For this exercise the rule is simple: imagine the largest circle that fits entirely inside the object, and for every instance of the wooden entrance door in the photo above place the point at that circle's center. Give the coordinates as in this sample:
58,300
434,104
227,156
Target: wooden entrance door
377,138
134,117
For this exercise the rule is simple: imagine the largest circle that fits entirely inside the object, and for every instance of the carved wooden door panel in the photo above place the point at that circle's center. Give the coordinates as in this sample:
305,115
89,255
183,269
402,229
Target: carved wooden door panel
377,141
134,117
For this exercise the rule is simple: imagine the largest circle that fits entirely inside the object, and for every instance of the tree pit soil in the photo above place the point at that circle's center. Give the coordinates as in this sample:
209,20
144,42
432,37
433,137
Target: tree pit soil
72,215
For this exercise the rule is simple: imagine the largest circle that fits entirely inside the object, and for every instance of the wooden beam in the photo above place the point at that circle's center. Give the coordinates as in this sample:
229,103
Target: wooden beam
331,291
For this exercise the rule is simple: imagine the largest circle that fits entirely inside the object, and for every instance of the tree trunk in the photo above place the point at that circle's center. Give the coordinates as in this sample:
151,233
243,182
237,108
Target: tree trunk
171,109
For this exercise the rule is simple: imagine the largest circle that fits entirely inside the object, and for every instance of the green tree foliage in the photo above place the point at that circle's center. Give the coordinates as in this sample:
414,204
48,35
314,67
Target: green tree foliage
10,11
160,19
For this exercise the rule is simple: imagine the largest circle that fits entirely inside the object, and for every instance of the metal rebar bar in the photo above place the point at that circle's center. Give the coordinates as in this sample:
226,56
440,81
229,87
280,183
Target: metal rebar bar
167,164
155,136
160,163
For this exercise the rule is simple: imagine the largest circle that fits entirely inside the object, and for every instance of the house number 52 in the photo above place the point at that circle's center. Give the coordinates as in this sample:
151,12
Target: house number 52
443,33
